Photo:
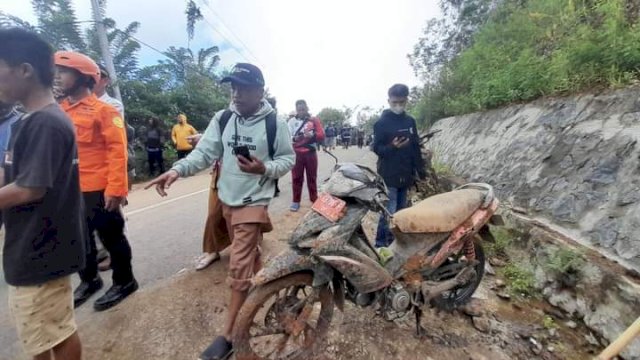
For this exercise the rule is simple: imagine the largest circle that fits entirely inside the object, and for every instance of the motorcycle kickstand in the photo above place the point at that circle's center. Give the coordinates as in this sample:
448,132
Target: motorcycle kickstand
421,332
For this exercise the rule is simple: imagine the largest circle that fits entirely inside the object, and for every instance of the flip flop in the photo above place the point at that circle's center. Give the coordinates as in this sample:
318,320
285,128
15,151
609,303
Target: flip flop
206,260
220,349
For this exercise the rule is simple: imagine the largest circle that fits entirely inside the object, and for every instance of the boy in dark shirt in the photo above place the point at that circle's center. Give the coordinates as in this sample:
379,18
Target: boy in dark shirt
41,202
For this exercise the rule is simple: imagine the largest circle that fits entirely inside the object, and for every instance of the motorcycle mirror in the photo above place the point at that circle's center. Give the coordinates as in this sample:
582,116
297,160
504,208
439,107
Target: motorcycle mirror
330,154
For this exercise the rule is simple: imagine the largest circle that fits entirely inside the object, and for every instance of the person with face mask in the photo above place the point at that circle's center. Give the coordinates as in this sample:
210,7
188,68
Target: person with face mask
397,144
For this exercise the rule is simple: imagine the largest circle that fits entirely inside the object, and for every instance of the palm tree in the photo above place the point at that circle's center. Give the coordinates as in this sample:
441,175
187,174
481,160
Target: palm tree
58,24
193,16
208,59
122,45
184,63
8,20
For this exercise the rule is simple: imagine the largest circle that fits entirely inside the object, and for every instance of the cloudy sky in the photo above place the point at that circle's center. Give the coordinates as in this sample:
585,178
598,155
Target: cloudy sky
329,52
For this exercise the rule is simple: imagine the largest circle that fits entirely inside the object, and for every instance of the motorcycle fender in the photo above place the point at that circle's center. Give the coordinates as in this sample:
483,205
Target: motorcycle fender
289,262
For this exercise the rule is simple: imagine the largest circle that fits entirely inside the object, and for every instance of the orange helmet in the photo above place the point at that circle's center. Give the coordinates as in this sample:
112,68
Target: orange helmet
79,62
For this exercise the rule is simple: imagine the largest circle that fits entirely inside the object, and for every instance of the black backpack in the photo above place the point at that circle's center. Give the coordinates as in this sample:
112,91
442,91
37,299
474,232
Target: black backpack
271,124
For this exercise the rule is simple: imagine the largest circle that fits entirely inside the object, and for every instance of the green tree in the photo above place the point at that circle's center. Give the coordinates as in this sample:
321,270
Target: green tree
58,24
183,63
123,47
8,20
446,37
334,116
185,83
193,16
516,50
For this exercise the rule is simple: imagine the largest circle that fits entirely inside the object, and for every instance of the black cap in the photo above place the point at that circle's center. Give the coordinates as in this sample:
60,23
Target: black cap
103,70
245,74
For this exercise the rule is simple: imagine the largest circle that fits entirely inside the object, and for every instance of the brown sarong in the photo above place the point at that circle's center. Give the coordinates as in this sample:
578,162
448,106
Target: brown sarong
216,235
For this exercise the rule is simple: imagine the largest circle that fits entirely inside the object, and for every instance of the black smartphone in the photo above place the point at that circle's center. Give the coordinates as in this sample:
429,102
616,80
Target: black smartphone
402,134
242,150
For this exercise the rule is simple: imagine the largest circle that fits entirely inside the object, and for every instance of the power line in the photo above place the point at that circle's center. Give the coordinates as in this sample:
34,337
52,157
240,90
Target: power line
221,34
165,54
219,18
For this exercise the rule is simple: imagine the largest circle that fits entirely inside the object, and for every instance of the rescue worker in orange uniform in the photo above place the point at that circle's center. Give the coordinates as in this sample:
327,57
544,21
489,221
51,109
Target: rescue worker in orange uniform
102,154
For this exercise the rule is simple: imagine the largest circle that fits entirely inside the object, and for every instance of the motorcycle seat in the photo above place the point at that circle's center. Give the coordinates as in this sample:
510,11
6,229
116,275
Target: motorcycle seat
439,213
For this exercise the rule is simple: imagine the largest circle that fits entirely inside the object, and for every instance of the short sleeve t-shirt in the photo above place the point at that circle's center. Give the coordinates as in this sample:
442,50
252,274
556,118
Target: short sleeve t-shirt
45,239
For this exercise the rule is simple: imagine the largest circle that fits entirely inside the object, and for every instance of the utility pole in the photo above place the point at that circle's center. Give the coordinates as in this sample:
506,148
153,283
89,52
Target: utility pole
104,48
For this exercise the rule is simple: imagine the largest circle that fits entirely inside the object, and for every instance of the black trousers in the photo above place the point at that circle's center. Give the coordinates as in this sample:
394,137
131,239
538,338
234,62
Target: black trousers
110,227
183,153
155,157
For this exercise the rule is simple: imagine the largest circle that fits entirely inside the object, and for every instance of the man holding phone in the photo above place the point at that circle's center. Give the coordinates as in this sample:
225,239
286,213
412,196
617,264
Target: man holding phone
240,141
397,144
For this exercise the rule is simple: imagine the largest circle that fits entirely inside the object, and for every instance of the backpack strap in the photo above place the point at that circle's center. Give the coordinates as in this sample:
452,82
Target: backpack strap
272,126
224,119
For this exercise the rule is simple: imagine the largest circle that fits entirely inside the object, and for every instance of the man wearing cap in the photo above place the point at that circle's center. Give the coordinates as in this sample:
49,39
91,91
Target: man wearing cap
245,187
100,89
181,136
102,155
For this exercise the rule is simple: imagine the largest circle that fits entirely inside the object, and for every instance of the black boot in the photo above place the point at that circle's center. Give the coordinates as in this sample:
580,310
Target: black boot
84,291
115,295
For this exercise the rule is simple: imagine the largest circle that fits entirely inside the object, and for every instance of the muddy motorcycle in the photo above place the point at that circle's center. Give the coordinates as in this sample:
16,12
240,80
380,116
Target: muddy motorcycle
435,260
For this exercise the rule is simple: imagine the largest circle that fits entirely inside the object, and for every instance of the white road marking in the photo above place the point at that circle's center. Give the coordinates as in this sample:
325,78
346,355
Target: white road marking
150,207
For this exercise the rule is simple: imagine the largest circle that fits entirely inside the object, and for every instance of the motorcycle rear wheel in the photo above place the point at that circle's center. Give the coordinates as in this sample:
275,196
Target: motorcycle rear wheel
461,295
272,323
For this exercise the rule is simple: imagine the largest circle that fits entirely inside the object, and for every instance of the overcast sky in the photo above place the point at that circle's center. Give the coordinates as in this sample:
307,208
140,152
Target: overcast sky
329,52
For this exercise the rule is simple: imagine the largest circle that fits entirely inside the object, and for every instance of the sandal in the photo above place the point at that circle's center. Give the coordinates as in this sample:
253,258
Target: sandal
220,349
207,259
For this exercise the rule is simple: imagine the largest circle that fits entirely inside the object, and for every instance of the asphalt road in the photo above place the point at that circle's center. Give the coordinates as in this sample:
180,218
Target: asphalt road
166,233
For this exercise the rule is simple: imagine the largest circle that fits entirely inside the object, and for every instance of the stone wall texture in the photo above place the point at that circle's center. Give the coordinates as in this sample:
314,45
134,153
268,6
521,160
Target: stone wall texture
574,162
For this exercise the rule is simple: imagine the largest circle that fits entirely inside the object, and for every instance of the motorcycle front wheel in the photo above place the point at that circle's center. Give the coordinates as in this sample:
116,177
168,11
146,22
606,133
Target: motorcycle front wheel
284,319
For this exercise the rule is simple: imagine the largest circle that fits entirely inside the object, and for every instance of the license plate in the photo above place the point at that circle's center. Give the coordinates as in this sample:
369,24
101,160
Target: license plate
332,208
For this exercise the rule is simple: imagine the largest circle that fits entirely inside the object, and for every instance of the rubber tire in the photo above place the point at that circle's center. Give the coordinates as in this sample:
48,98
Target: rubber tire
446,304
259,295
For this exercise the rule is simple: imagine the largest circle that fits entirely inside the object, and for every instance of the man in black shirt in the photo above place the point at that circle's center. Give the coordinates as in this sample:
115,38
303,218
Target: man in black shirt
41,202
397,144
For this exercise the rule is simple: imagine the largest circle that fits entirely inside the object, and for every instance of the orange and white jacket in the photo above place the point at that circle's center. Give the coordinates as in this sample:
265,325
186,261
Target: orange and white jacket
102,146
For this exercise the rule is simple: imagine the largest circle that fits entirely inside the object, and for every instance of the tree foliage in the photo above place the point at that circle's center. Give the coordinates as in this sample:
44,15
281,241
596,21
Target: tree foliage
446,37
193,16
181,63
185,82
121,44
520,50
8,20
58,24
333,116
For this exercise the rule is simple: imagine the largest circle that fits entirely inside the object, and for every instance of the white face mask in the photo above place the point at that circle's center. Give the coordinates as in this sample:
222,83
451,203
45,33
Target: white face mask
397,109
